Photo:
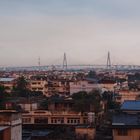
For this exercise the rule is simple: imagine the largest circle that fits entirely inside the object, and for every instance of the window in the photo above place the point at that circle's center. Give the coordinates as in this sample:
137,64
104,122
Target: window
56,120
33,83
122,132
41,120
26,120
73,120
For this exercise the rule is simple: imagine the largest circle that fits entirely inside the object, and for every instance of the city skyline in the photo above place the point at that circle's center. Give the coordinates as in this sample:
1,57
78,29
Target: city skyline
86,30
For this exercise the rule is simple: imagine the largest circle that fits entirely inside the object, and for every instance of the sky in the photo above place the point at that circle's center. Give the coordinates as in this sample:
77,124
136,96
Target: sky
84,29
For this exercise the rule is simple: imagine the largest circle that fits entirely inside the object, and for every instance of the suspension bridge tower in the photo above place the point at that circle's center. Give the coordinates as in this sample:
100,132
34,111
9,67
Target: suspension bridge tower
39,66
65,66
108,65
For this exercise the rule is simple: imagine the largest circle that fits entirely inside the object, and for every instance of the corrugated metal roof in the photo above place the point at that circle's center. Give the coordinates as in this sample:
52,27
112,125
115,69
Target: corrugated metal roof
131,105
126,120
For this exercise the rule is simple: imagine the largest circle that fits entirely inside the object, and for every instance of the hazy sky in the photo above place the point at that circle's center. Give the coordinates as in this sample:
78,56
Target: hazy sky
85,29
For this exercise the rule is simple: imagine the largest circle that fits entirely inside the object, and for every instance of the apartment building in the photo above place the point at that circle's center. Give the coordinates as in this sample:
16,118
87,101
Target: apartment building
58,86
44,117
39,84
82,85
10,125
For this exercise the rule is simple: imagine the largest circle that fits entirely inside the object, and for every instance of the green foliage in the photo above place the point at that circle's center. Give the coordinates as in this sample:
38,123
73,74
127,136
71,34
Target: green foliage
87,101
2,95
92,74
21,89
44,104
111,104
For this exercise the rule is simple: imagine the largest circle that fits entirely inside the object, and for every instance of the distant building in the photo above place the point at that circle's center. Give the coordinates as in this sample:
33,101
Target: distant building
125,95
39,84
82,85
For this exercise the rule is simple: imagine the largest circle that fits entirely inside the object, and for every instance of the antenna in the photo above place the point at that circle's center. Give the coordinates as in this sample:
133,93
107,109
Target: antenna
64,62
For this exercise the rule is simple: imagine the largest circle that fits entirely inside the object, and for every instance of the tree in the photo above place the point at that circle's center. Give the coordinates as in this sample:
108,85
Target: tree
108,97
2,95
20,88
86,102
92,74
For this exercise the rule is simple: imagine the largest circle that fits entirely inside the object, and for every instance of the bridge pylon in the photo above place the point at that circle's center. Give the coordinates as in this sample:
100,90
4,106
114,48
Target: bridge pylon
108,65
65,65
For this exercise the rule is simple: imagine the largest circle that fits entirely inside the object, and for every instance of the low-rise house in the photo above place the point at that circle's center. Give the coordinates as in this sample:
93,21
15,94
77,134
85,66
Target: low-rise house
126,124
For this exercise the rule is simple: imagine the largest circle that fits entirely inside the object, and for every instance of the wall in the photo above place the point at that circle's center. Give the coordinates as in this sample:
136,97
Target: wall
133,134
83,131
16,132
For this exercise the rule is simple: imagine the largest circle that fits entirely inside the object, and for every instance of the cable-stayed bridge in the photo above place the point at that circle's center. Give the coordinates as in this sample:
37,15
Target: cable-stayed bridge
71,67
65,66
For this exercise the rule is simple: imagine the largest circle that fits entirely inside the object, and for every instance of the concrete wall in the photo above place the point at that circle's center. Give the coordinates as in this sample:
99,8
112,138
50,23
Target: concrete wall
16,132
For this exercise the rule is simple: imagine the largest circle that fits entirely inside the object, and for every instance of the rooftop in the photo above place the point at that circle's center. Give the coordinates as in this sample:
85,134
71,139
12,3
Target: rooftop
6,79
8,111
124,119
131,105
